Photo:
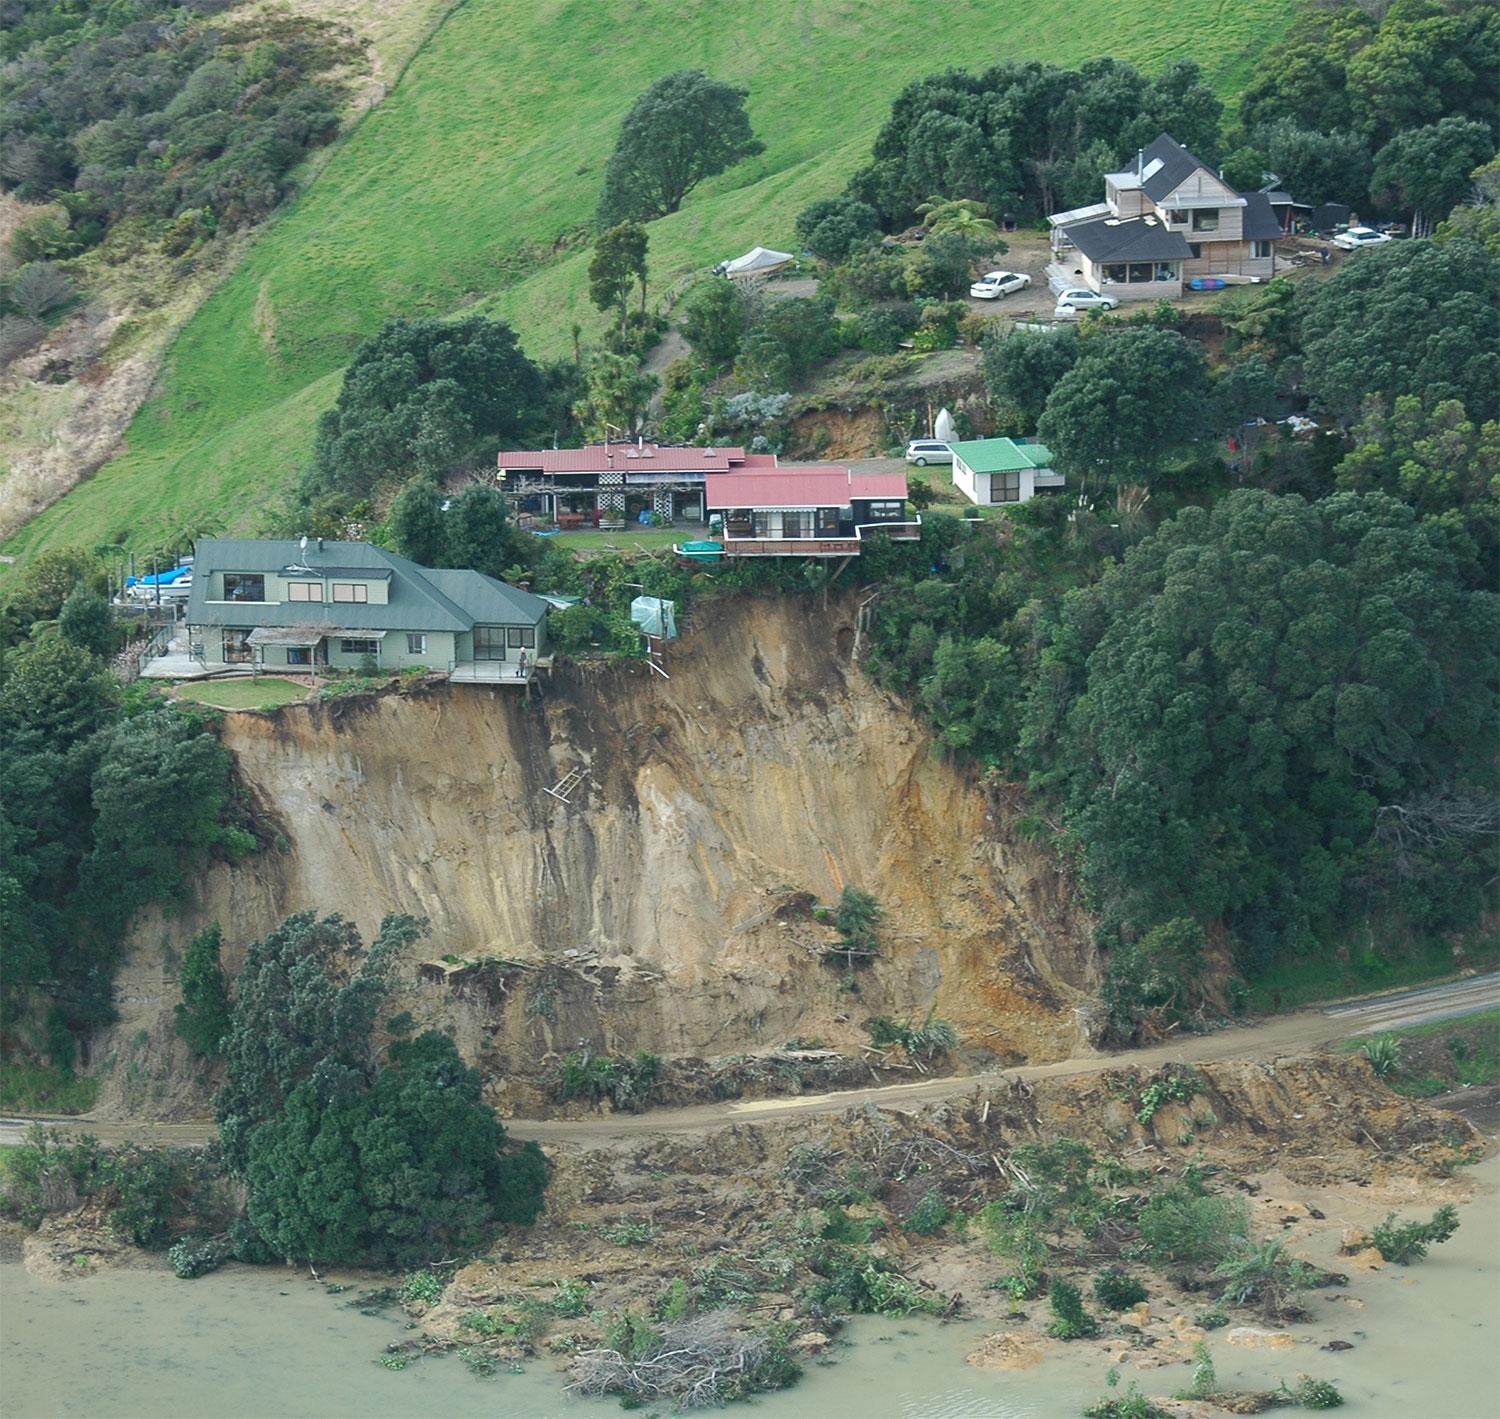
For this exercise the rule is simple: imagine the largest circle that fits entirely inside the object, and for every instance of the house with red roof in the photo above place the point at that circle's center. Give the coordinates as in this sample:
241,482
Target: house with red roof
610,485
807,511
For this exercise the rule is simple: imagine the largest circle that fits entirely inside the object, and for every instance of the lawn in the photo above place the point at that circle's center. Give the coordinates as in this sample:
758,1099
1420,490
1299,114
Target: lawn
266,692
472,185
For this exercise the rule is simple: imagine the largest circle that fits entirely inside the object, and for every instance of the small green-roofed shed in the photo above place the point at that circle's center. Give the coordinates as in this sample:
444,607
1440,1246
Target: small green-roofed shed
1002,455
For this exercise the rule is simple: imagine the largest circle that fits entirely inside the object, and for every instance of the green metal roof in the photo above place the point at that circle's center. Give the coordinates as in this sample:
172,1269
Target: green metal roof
421,599
1001,455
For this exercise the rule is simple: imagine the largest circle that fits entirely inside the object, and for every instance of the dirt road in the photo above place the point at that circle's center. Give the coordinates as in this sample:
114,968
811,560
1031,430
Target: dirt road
1284,1034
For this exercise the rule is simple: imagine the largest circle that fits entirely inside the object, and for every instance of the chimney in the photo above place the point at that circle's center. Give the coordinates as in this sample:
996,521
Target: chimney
320,544
1140,161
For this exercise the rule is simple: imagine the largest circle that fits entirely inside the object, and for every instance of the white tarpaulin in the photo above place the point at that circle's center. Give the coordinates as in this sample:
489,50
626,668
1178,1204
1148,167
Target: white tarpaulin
759,262
942,426
655,616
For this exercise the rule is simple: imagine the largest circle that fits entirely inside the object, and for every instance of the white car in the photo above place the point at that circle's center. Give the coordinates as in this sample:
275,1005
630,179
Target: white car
1356,238
1074,300
925,451
994,284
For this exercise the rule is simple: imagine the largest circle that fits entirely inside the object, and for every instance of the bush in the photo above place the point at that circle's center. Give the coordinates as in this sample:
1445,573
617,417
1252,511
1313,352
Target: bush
39,288
848,1280
1072,1321
1384,1054
203,1016
1014,1235
1261,1273
1131,1405
423,1287
881,328
1117,1290
1181,1225
197,1256
930,1215
1406,1242
925,1041
1315,1394
857,918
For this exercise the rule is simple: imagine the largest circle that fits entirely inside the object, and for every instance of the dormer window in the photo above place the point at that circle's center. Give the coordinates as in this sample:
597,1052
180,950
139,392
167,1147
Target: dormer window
351,591
244,586
1206,219
304,591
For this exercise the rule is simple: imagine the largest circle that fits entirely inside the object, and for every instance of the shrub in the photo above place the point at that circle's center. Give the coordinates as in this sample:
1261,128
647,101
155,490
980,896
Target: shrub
848,1280
1262,1273
1205,1380
925,1041
1406,1242
39,288
1384,1054
1131,1405
1072,1321
1214,1318
1180,1225
1117,1290
880,329
1175,1088
1315,1394
203,1016
1014,1235
421,1286
930,1215
197,1256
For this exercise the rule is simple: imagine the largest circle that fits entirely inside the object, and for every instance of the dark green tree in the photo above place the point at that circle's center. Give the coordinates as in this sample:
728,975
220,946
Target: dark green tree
1425,172
1412,317
478,533
87,621
716,318
944,265
55,693
418,525
303,997
416,398
1130,400
684,128
804,329
396,1172
203,1015
1021,370
833,227
617,266
1317,167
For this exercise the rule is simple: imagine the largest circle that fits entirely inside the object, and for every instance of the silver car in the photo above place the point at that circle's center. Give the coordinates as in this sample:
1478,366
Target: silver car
925,451
1073,300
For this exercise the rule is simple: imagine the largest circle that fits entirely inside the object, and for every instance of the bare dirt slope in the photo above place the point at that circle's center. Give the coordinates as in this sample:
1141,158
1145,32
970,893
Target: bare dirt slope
665,908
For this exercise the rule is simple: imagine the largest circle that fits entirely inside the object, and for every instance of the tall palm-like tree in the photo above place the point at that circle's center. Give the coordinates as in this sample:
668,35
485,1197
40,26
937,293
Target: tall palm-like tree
962,215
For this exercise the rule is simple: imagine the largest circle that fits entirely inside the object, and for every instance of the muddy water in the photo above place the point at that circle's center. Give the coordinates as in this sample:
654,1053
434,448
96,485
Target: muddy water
249,1343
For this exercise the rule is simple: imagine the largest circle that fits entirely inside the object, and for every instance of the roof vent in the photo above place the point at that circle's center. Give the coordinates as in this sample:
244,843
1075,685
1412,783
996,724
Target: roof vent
1111,221
648,451
710,453
632,453
1150,221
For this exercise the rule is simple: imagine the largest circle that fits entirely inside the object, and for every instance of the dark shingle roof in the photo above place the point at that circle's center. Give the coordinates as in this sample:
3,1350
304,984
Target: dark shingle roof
1177,165
1129,239
421,599
1259,218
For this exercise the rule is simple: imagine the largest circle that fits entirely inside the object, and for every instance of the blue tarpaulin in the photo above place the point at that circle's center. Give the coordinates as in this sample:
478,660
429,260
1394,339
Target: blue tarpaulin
161,578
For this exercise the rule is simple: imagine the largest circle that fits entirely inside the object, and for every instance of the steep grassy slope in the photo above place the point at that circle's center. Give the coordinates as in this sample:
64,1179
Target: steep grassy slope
458,188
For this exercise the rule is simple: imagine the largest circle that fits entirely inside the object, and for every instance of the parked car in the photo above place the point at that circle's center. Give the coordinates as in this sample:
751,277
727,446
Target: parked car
994,284
1074,300
1358,237
925,451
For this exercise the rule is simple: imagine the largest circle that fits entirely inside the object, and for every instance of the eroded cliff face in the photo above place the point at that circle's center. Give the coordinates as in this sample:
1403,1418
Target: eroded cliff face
657,909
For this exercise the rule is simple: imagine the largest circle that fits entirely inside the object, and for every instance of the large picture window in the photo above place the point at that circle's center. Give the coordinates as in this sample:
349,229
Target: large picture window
237,648
520,637
351,591
304,591
244,586
1206,219
489,642
1005,487
352,646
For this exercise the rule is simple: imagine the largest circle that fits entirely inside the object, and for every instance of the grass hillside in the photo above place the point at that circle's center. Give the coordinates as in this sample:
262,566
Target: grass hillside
455,191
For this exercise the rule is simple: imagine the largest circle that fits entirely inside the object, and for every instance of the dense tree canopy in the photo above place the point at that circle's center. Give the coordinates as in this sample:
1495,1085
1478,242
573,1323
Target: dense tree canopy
1228,713
1028,136
1411,317
1021,370
834,226
1426,172
684,128
617,267
1130,398
419,395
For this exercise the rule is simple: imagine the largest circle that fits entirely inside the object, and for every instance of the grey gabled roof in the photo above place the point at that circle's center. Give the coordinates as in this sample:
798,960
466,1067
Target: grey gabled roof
420,599
1129,239
1259,218
1176,166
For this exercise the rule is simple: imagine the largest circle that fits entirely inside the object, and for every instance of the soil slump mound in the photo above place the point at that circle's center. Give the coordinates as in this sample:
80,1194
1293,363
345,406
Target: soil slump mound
665,906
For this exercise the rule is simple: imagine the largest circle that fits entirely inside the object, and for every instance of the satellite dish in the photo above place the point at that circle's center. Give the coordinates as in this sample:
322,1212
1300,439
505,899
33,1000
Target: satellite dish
303,545
942,426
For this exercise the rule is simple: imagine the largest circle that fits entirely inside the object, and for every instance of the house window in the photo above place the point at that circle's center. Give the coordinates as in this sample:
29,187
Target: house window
350,591
304,591
298,655
237,648
1260,250
1005,487
1166,270
416,643
796,524
1116,274
885,512
1141,272
518,636
1197,250
244,586
1206,220
489,642
359,647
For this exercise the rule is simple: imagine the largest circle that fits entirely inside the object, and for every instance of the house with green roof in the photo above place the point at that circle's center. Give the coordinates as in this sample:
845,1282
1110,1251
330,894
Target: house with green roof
1002,470
283,605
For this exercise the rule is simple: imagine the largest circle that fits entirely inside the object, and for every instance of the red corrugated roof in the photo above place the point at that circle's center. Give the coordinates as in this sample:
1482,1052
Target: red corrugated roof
626,457
800,487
